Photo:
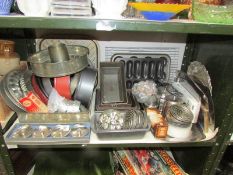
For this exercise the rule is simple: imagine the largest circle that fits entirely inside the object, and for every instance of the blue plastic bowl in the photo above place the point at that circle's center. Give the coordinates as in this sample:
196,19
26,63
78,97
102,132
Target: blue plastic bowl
5,6
160,16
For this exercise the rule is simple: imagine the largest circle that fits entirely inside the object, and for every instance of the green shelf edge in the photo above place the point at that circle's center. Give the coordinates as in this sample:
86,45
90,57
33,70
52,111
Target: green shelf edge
177,26
208,143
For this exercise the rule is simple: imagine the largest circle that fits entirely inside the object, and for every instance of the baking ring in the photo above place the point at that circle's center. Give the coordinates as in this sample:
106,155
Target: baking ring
62,85
43,66
47,86
74,82
86,85
38,90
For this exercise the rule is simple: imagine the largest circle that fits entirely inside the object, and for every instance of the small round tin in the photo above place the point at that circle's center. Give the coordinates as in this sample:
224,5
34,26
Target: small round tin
179,115
41,132
60,131
24,131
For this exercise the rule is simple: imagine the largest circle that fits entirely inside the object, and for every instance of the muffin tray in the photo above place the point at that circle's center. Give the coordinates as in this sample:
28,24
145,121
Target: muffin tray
138,67
47,134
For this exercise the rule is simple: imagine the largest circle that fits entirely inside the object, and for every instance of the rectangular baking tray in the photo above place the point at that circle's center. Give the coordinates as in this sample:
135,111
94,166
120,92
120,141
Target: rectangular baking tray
131,103
115,132
49,140
141,67
60,118
112,83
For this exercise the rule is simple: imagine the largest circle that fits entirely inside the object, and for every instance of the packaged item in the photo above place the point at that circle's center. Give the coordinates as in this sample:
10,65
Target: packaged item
154,116
58,103
146,93
160,129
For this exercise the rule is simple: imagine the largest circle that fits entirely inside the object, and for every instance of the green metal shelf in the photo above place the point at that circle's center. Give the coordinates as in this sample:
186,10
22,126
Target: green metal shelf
176,26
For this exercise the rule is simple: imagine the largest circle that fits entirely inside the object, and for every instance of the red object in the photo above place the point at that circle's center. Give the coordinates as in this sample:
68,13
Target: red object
33,104
62,85
38,90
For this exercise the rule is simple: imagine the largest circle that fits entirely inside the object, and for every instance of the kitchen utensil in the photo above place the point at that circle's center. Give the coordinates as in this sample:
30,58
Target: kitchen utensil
112,86
86,85
43,66
62,85
138,67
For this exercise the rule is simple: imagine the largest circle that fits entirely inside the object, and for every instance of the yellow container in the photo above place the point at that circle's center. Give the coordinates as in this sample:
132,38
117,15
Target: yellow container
157,7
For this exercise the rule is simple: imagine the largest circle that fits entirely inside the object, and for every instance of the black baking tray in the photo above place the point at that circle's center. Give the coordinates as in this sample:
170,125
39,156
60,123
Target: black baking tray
139,67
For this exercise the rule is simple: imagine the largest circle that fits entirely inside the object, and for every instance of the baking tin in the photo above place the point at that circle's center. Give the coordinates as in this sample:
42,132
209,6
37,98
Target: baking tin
46,118
58,53
179,115
144,127
47,134
42,44
47,86
139,67
74,82
23,131
112,86
131,103
86,85
38,90
43,66
11,91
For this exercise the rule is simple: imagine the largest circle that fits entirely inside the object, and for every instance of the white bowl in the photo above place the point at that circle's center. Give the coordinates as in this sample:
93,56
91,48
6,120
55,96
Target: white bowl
34,7
109,8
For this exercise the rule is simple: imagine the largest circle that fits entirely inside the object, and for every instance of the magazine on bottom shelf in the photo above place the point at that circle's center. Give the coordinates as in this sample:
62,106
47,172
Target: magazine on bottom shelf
146,162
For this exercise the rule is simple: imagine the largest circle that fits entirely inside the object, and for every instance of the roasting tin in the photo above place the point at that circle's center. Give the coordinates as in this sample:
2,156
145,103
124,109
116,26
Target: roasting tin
47,134
112,86
60,118
130,104
134,122
138,67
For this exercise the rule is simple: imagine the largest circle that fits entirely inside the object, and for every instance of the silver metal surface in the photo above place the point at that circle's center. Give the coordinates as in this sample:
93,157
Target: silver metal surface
53,117
24,131
47,85
11,91
86,85
112,83
41,132
179,115
114,121
58,53
43,67
79,131
74,82
60,131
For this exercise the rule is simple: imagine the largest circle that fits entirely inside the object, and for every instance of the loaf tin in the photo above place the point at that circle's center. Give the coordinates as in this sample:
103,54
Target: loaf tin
47,134
138,67
112,83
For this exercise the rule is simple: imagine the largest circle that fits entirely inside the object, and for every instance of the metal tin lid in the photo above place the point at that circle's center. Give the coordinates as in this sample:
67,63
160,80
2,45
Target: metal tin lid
180,115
